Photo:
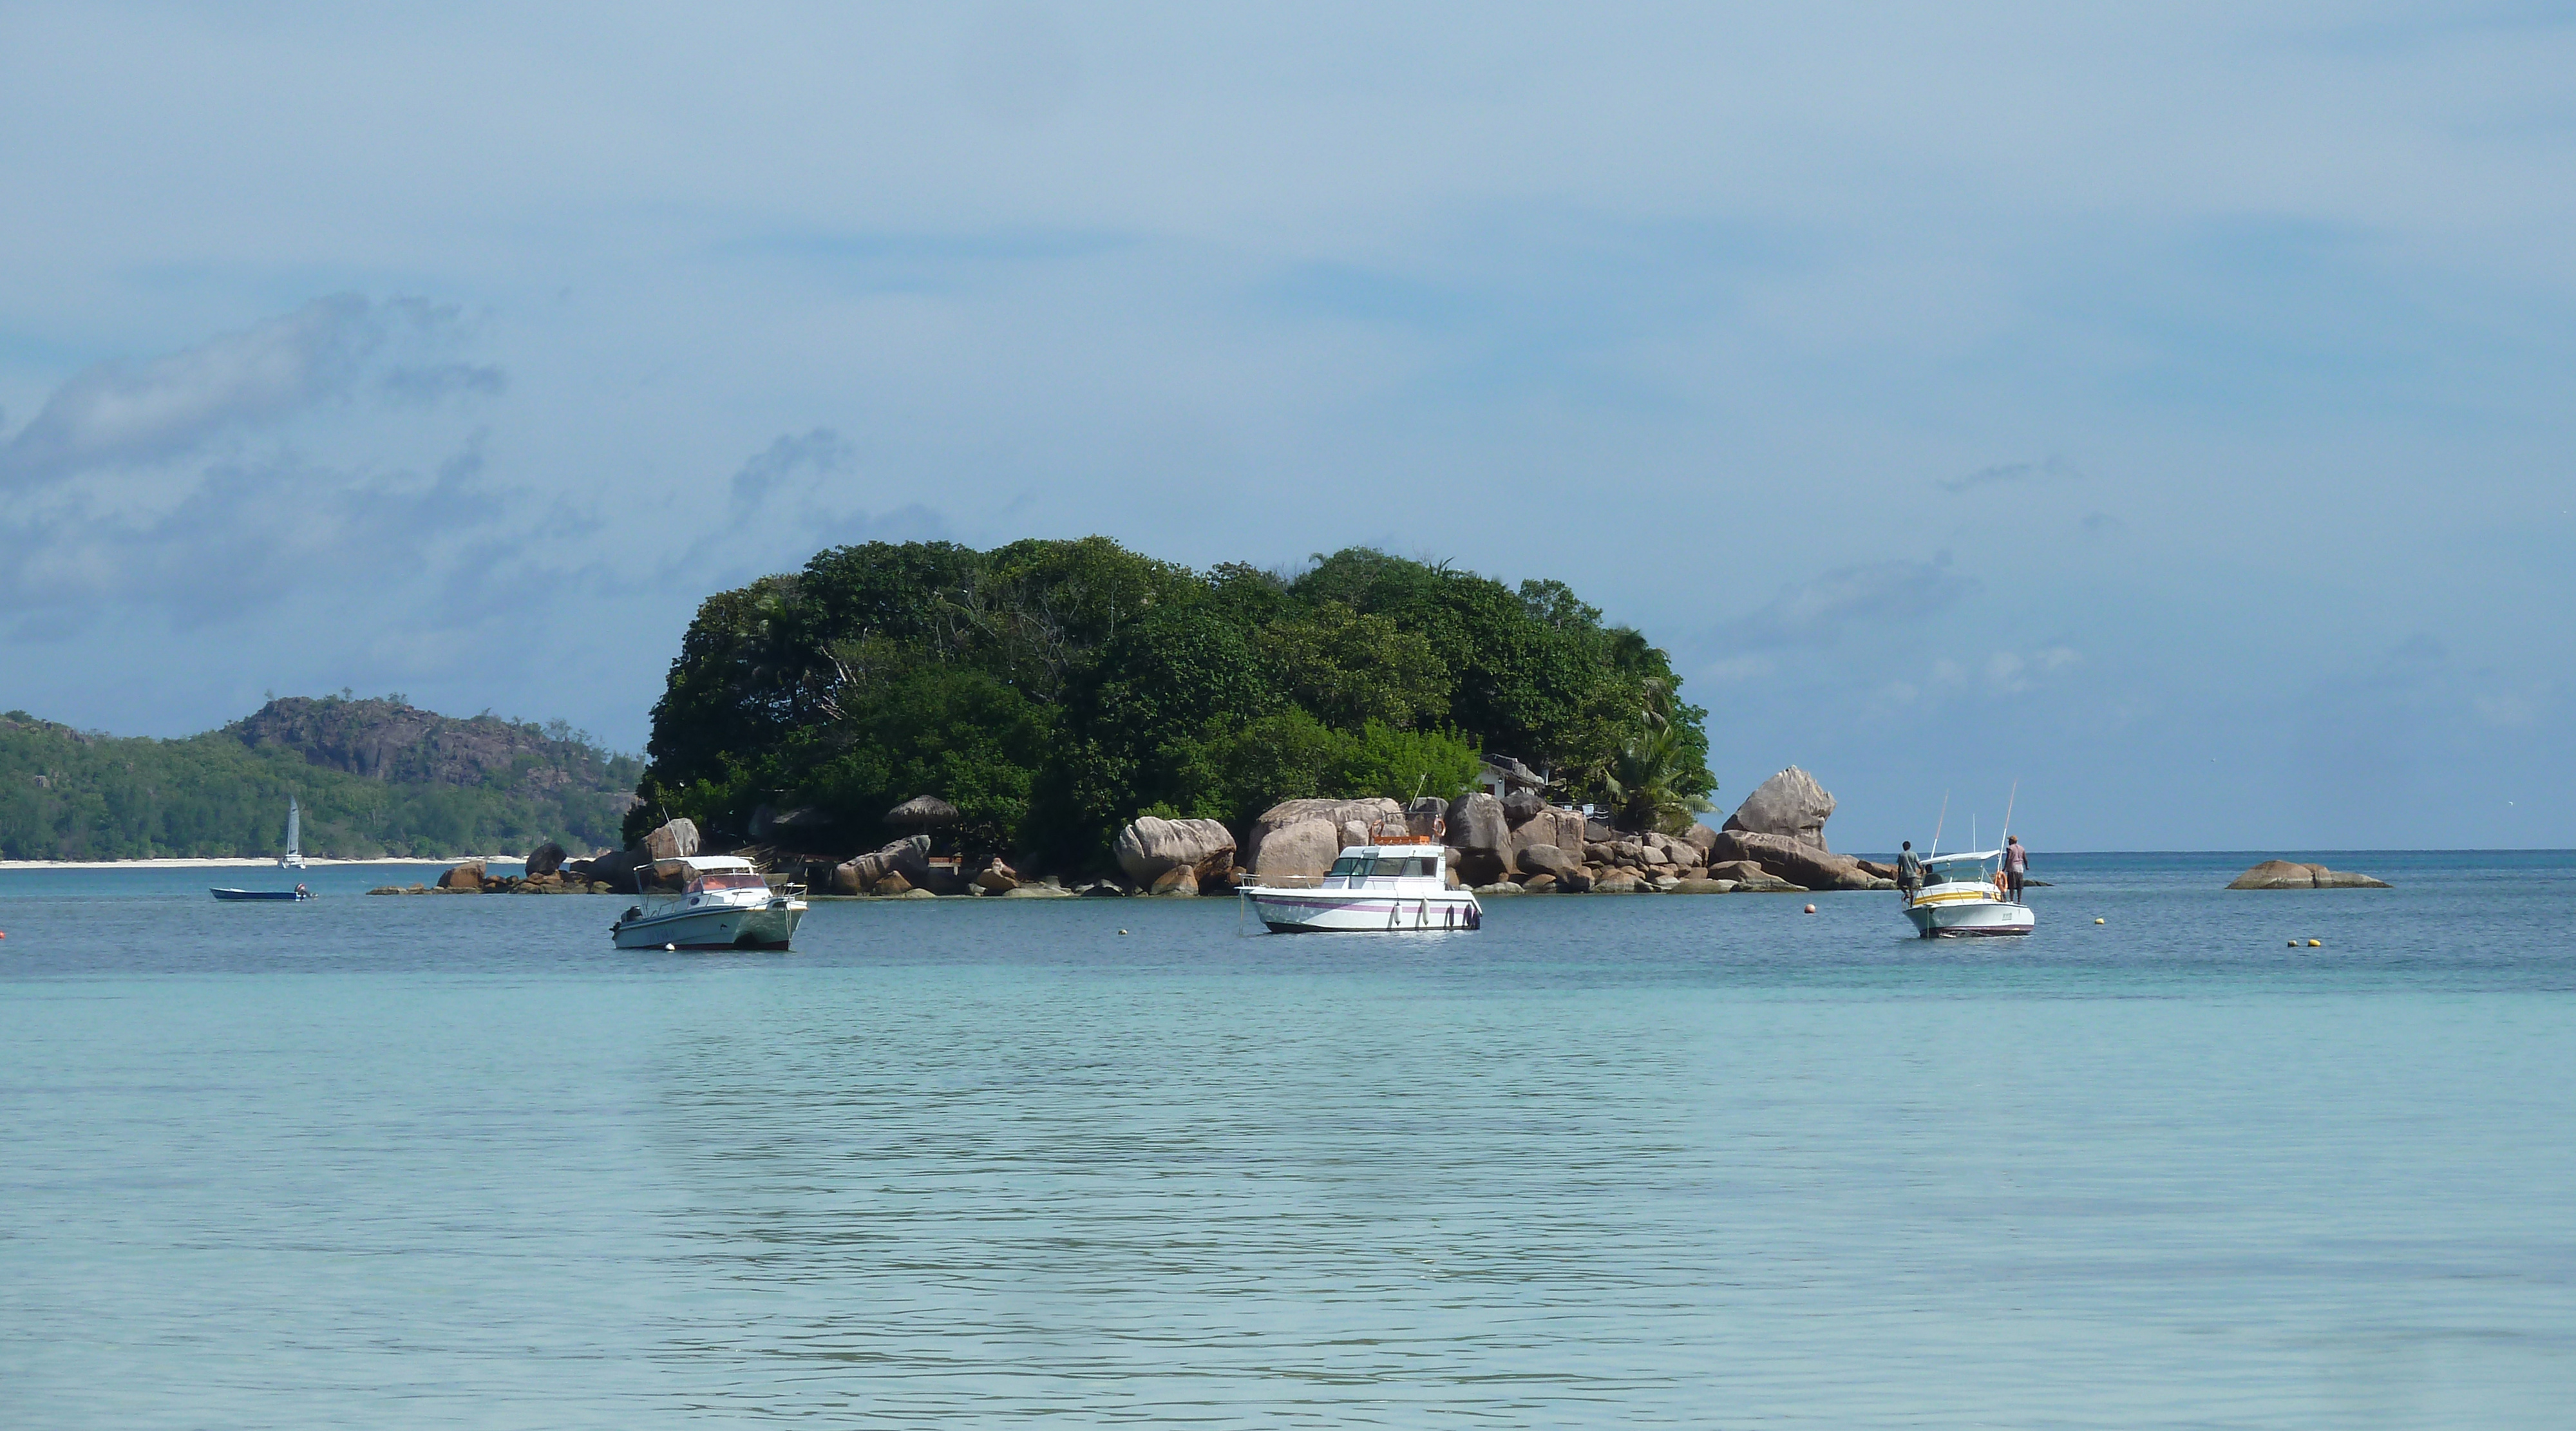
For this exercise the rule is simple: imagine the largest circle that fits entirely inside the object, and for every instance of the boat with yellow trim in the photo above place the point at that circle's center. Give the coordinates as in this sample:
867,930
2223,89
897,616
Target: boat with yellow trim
1964,895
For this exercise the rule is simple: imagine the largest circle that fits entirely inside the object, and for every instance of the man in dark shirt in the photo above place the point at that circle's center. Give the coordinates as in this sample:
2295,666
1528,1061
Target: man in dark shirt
2016,865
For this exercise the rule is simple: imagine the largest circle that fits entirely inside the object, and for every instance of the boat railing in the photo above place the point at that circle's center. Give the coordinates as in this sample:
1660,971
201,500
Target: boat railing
1288,881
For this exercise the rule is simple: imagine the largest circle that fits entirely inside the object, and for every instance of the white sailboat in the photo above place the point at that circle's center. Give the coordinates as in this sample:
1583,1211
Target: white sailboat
293,859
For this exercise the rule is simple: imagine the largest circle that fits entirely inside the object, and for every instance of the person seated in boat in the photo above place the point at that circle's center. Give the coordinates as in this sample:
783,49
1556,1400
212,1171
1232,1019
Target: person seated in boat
302,893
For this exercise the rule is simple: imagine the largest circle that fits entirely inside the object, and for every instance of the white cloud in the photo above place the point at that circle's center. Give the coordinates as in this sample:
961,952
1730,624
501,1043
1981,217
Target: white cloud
1893,594
122,413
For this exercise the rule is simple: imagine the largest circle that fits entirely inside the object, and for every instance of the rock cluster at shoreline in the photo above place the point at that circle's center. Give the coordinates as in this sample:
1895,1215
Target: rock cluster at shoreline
471,878
1520,844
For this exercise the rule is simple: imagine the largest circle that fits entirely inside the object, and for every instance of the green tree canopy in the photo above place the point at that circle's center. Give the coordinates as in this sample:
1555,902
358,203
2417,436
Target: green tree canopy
1052,690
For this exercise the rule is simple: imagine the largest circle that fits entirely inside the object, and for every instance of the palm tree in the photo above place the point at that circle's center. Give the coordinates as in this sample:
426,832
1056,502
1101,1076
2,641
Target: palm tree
1641,782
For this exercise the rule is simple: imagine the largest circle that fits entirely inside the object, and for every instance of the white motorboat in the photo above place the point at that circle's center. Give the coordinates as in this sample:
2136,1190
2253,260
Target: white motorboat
1397,885
725,903
1964,895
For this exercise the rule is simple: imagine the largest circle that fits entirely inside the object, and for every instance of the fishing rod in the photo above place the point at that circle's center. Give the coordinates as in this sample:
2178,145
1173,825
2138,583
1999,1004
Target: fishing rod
2008,805
1937,824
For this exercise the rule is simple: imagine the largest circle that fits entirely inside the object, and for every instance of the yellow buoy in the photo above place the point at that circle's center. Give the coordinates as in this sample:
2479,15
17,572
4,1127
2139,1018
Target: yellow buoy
2097,921
2316,944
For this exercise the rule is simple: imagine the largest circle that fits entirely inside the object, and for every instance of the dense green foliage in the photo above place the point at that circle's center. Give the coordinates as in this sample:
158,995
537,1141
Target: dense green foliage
1053,690
67,795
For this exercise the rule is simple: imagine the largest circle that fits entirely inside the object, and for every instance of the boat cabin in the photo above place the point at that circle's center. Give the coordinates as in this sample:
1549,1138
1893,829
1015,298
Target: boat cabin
1390,866
714,874
1963,869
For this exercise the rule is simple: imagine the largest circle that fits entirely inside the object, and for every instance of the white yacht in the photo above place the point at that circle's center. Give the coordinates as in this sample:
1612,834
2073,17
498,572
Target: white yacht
725,904
1964,895
1398,884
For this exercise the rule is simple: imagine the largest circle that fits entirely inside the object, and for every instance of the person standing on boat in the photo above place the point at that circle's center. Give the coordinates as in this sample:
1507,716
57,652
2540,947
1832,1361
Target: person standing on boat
2016,865
1909,871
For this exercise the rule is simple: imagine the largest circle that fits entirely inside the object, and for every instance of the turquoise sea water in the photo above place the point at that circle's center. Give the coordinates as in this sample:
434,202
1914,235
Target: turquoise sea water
1641,1161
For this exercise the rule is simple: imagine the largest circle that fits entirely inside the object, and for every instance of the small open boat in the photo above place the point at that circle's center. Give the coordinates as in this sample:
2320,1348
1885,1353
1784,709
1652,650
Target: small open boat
299,892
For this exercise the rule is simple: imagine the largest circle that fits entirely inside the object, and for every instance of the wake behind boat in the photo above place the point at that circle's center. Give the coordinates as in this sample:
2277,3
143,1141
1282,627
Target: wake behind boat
1399,884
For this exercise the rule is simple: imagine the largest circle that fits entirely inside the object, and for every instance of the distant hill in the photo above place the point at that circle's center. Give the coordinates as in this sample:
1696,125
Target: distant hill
377,777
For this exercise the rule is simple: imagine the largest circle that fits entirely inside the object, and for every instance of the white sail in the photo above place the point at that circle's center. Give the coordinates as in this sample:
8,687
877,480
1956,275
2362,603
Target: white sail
294,856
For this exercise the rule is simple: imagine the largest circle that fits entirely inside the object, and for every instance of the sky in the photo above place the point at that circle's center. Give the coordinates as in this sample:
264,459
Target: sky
2156,417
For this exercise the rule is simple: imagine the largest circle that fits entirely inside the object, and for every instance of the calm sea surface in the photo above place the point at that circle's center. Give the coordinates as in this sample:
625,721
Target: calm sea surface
1644,1161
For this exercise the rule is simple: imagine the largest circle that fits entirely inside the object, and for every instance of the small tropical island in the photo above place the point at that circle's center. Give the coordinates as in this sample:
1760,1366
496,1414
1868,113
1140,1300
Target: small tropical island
926,718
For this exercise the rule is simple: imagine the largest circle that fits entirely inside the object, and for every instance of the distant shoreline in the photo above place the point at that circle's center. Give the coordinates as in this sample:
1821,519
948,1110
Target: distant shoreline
245,864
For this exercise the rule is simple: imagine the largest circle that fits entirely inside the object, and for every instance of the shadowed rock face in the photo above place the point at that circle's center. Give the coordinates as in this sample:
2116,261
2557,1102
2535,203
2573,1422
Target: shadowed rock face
2282,874
1790,804
388,740
1793,860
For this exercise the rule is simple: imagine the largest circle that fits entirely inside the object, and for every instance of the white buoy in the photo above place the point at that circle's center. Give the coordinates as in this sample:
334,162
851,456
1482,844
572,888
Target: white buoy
670,948
1811,909
2097,921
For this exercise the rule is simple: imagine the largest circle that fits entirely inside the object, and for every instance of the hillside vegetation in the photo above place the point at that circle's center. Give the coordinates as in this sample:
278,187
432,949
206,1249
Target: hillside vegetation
376,778
1053,690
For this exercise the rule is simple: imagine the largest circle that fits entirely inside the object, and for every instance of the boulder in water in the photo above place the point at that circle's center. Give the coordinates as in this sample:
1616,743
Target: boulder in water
2283,874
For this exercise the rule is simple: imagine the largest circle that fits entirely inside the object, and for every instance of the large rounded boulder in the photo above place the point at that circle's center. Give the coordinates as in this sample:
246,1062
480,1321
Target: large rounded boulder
1153,847
1368,814
1304,849
1790,804
673,841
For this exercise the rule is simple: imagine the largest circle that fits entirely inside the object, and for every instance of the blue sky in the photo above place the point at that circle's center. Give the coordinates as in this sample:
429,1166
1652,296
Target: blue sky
2168,408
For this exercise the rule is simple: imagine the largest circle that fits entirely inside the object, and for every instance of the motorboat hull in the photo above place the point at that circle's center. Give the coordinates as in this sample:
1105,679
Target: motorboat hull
1360,911
771,925
1969,918
287,895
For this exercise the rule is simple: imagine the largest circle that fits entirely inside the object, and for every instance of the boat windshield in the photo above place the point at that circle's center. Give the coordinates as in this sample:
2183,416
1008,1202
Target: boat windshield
1382,866
731,881
1967,871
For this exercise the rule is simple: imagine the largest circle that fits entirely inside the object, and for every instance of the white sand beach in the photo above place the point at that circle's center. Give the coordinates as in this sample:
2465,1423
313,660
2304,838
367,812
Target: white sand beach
237,864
